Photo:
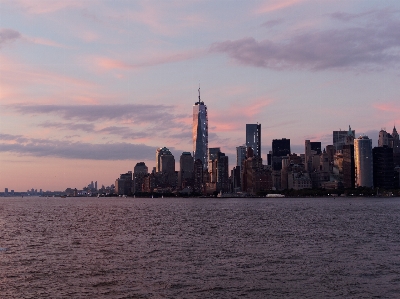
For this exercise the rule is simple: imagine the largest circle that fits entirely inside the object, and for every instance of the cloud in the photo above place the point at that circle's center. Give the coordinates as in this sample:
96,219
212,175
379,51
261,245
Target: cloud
74,150
388,107
155,114
374,45
271,6
69,126
146,61
8,35
46,7
272,23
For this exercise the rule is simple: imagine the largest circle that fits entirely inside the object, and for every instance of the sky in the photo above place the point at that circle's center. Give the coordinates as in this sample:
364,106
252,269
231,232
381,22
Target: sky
90,88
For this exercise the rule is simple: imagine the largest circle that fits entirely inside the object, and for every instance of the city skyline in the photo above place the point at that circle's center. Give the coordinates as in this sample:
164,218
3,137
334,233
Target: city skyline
88,89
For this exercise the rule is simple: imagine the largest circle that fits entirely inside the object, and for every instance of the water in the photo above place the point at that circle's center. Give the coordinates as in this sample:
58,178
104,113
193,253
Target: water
199,248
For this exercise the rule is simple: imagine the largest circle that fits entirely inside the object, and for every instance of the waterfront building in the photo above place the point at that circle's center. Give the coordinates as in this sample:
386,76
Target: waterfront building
280,148
213,153
198,177
240,155
392,141
159,153
200,132
383,167
218,171
253,138
140,171
123,185
256,177
167,171
186,168
222,183
363,162
395,142
341,137
311,149
348,166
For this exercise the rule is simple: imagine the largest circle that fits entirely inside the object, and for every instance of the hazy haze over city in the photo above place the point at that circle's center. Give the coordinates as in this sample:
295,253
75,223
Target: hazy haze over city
90,88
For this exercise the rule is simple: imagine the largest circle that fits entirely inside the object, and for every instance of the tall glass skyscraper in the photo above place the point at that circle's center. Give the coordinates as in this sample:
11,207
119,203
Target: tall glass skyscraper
200,132
253,138
363,162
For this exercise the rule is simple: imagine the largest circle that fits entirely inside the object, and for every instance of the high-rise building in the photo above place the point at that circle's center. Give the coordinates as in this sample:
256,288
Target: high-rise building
213,153
396,142
280,148
311,149
384,138
240,155
340,137
383,167
123,185
253,138
200,132
186,168
363,162
160,152
348,166
222,173
140,171
198,186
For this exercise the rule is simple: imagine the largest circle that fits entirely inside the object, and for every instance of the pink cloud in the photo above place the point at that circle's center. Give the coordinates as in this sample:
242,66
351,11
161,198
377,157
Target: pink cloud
44,42
146,61
236,116
109,64
18,78
389,107
271,6
45,6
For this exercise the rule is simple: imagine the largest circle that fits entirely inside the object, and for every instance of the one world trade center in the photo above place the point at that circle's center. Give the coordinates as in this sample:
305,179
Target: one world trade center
200,132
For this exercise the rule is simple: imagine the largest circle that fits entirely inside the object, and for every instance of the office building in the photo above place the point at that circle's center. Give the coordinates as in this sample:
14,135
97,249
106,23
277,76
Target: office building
240,155
280,148
340,138
348,167
200,132
140,171
123,185
363,162
159,153
253,138
198,186
383,167
186,170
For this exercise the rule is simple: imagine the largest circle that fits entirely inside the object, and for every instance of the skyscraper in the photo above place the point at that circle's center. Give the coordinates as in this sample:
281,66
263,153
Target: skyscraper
200,132
383,167
340,137
186,167
363,161
140,171
240,155
280,148
253,138
161,152
348,166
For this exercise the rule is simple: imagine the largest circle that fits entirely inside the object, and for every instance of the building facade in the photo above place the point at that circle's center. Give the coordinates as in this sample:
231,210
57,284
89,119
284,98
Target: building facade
383,167
363,162
140,171
200,132
253,138
341,137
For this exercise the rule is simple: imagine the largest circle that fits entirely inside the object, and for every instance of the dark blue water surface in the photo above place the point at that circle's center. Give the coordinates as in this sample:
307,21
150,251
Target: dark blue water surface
199,248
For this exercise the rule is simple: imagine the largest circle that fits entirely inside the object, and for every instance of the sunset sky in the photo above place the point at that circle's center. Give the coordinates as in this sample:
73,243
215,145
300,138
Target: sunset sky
90,88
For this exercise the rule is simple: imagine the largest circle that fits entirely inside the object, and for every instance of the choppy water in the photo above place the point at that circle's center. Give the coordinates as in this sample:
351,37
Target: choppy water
199,248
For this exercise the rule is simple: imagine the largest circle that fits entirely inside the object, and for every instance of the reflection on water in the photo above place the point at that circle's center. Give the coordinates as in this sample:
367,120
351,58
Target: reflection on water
199,248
